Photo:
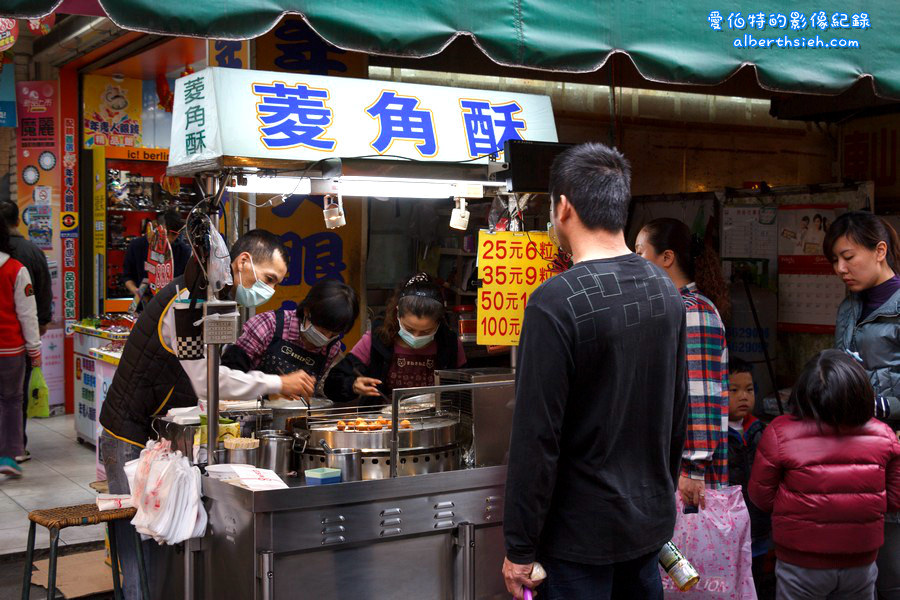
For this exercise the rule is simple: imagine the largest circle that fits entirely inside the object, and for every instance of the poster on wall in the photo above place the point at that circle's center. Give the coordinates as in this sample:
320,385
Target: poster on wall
9,33
112,111
53,364
809,293
38,195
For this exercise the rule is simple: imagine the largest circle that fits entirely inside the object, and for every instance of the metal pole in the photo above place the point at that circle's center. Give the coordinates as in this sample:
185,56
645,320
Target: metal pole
213,351
466,540
189,573
513,357
395,433
266,575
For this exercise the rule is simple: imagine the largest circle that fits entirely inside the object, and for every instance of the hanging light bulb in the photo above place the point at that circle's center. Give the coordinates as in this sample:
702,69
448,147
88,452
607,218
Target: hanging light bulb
334,211
459,218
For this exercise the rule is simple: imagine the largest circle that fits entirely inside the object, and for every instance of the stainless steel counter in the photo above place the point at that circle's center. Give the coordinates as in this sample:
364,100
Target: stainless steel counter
428,537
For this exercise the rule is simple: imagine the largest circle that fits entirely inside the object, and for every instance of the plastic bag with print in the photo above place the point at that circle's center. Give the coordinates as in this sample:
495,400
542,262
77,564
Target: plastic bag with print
716,540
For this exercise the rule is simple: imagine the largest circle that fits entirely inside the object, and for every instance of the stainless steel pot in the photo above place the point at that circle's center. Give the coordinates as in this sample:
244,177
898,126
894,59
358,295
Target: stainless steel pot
275,453
348,460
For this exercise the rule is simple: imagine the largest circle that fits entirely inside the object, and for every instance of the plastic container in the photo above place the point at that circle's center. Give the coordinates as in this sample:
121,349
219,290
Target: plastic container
466,322
322,476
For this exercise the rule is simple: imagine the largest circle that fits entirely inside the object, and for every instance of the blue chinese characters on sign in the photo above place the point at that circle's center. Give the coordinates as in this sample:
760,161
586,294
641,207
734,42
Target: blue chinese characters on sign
303,51
488,126
314,257
227,54
400,118
293,116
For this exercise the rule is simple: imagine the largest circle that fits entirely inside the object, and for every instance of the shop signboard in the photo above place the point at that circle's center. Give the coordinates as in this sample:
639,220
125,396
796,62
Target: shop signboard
228,54
511,265
38,197
113,109
293,47
266,115
317,253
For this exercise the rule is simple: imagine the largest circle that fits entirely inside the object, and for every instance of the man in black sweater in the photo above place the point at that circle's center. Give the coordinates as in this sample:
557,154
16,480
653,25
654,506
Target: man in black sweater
35,261
601,401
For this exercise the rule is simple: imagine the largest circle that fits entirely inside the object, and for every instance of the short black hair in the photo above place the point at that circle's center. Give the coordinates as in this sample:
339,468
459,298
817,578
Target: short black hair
172,220
262,246
9,213
332,305
834,390
596,180
736,365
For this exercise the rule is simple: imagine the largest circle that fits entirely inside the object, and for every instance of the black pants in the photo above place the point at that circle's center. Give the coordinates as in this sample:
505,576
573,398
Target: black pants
629,580
25,403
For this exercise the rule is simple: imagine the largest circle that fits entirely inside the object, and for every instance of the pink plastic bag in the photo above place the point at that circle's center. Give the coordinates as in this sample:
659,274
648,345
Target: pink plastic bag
716,541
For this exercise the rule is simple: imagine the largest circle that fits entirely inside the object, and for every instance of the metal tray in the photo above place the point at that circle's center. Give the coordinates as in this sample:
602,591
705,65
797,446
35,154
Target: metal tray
425,433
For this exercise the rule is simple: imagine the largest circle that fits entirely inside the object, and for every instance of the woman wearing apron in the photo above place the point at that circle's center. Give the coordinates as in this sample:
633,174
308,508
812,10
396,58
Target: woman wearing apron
285,341
402,350
865,253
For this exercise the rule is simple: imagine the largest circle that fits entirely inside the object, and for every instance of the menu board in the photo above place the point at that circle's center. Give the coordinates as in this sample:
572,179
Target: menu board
511,265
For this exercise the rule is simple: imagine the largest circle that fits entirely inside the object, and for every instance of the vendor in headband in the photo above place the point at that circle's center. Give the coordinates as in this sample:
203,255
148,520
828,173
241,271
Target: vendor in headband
402,350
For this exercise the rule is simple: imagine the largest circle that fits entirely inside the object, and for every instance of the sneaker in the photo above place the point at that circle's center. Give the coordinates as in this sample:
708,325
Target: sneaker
24,457
9,467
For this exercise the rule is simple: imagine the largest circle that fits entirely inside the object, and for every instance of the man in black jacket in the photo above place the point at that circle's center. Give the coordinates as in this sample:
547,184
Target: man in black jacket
27,253
601,401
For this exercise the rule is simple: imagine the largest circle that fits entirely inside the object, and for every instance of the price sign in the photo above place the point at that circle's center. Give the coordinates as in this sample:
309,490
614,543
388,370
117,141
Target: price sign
511,265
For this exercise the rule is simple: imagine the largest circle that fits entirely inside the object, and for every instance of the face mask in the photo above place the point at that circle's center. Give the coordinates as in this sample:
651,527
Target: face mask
256,294
314,337
414,341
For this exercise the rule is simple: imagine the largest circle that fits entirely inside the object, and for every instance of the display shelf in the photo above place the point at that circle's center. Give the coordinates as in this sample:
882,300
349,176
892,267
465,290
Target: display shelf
107,357
100,333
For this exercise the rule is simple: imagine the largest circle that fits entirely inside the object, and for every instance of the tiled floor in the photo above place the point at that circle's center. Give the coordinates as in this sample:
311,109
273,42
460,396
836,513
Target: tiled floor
58,474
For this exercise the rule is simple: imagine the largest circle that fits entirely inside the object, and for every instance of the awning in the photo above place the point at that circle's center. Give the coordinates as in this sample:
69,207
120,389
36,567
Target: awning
812,51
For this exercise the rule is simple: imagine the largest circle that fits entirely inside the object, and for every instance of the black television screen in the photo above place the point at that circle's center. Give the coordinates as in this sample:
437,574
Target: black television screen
529,165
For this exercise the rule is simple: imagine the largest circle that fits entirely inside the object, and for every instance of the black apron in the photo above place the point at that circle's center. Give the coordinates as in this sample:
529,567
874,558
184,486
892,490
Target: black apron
283,357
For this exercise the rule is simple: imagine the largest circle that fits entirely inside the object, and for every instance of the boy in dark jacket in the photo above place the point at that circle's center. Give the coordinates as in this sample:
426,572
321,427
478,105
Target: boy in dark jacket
744,433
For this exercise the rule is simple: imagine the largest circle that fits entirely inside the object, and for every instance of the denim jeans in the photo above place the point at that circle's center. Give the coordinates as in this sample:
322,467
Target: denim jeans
637,578
13,370
115,454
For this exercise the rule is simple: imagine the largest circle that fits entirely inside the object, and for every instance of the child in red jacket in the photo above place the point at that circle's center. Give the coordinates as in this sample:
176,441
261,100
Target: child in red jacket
828,473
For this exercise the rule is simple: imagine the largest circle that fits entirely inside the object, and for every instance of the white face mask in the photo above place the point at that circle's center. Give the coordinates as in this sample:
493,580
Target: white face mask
414,341
256,294
314,337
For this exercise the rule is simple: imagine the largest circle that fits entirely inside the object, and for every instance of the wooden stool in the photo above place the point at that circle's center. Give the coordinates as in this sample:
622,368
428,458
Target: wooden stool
55,519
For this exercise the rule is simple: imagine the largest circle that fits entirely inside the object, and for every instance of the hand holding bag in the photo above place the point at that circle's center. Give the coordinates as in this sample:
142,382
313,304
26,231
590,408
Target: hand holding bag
716,540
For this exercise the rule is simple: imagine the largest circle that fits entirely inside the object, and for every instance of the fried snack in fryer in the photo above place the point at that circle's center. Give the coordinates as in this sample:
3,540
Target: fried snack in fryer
405,424
341,426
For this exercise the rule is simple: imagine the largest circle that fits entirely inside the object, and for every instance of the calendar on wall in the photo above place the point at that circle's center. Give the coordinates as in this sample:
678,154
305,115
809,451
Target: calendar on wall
809,293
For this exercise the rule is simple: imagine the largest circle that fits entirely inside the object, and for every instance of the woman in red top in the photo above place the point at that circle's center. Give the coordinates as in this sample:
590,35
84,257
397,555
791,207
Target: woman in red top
828,474
19,335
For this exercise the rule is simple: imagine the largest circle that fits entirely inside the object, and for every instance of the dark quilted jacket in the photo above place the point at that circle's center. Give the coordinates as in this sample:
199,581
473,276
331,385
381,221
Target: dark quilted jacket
149,379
